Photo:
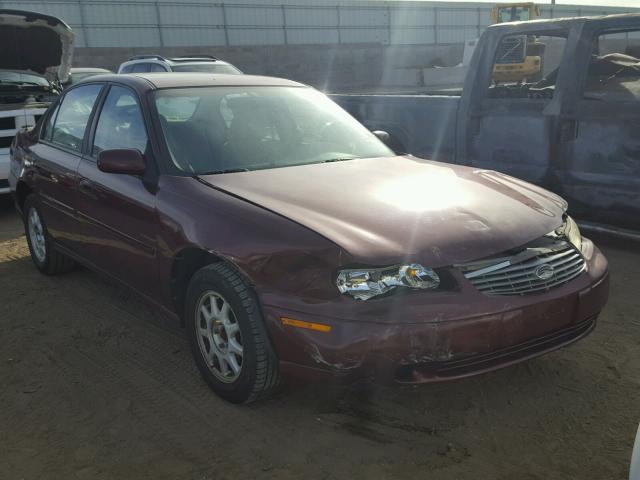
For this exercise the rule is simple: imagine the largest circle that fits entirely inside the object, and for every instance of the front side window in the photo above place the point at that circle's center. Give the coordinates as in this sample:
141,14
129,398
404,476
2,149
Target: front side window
73,115
527,66
216,129
120,124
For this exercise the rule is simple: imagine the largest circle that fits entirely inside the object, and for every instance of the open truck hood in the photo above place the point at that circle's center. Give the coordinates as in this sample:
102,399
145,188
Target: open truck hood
35,42
388,210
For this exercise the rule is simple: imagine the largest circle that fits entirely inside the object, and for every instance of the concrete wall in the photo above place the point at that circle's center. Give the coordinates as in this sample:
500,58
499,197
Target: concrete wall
330,67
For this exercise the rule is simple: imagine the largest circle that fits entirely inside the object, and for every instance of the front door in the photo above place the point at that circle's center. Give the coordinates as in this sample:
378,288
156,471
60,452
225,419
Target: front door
117,211
512,124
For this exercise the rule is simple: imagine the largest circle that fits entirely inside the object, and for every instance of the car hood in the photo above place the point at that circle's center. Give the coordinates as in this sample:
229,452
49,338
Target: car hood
35,42
388,210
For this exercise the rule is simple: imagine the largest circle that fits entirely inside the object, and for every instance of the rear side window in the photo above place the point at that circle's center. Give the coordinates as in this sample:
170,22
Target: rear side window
155,67
120,124
73,115
141,68
614,68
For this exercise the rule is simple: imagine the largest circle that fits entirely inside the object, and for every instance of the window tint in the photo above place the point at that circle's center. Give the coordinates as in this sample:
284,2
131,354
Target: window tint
156,67
126,69
120,124
614,68
73,115
47,128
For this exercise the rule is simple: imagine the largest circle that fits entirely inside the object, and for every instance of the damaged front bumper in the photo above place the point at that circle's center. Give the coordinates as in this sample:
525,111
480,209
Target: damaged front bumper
429,336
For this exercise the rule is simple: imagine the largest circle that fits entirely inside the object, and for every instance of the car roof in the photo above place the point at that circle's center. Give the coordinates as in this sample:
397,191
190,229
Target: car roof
174,60
154,81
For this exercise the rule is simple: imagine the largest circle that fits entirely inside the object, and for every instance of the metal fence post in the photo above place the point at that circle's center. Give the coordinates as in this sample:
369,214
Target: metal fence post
435,25
224,24
83,23
339,33
159,25
284,24
389,25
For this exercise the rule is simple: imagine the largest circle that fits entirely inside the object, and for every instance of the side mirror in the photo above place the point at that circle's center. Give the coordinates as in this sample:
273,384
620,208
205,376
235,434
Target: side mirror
121,160
382,135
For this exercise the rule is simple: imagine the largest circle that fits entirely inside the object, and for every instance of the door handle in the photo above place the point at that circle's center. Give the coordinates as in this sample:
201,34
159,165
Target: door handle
86,187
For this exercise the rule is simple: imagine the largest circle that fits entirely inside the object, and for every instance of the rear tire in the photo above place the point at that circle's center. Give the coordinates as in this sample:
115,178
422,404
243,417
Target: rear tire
228,337
43,253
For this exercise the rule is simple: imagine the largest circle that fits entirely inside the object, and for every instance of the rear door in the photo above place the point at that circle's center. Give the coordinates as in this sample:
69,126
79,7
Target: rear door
512,125
601,155
56,158
117,211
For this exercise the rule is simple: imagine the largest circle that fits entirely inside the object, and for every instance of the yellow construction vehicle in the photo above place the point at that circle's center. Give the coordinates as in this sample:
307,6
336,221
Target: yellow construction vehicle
519,57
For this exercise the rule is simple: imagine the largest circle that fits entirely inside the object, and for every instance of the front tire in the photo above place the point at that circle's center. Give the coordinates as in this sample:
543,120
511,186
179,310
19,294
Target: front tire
48,260
228,337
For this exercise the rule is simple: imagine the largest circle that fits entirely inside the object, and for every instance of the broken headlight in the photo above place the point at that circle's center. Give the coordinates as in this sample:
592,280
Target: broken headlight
365,283
571,232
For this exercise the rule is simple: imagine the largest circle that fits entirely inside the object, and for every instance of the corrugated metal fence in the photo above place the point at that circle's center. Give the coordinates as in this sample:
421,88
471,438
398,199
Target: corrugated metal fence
175,23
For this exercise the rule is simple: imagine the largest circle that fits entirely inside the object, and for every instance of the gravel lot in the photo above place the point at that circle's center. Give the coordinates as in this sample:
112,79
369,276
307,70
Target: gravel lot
96,386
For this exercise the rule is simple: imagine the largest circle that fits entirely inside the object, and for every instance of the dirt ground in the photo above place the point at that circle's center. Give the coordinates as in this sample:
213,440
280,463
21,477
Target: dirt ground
95,386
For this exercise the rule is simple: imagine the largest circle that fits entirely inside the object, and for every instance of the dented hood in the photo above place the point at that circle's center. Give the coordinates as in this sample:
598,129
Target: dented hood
387,210
35,42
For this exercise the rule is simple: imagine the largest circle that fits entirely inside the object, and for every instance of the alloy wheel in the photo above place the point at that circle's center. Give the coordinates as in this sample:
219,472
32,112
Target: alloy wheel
36,235
219,336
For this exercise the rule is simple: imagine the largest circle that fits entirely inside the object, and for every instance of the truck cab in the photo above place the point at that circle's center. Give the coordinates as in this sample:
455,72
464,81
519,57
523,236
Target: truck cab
573,131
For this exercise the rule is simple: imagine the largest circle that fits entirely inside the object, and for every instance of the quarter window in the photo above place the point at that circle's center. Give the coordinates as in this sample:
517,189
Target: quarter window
47,128
120,124
73,115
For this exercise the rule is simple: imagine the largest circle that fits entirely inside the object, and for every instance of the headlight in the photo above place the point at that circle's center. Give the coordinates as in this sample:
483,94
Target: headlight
571,232
364,283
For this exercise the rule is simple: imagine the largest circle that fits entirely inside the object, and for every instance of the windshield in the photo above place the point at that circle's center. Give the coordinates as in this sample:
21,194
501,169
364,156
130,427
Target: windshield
221,129
22,78
207,68
513,14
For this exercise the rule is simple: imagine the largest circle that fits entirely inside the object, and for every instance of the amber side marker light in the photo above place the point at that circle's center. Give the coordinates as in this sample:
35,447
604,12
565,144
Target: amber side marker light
319,327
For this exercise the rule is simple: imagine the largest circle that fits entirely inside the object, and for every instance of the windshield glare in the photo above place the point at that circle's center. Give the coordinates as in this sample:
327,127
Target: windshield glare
217,129
206,68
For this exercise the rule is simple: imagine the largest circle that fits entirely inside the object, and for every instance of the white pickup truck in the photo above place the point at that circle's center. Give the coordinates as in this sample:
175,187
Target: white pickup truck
34,61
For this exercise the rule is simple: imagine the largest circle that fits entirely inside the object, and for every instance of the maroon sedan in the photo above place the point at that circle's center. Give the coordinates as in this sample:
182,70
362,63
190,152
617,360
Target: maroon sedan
290,240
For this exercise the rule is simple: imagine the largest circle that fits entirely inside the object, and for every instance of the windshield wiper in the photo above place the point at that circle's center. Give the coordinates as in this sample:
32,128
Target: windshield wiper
228,170
339,159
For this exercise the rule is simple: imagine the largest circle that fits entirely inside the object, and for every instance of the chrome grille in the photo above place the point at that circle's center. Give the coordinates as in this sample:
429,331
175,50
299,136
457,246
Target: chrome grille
532,270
